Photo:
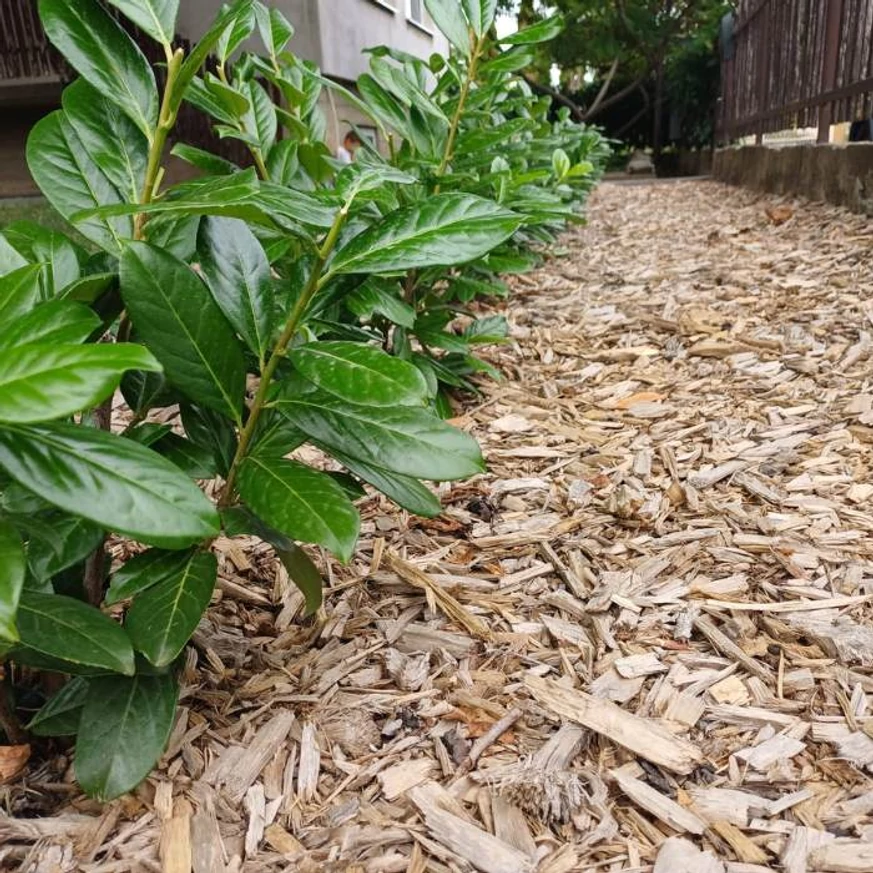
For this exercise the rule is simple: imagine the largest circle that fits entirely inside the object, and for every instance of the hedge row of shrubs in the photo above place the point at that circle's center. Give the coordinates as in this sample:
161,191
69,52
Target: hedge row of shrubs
296,301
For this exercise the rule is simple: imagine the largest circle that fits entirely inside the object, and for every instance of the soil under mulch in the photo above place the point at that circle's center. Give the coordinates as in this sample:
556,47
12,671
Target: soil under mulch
641,642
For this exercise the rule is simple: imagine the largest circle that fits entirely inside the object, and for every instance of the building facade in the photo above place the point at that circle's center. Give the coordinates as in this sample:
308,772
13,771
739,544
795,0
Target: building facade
331,33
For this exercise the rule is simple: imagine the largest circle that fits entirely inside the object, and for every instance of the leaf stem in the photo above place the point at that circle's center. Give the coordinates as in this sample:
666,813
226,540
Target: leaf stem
166,121
469,79
291,326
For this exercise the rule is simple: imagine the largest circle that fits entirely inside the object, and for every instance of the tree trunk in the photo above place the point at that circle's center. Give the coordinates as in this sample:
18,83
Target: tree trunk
657,132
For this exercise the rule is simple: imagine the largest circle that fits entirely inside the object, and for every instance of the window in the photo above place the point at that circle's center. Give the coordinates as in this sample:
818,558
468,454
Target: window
416,13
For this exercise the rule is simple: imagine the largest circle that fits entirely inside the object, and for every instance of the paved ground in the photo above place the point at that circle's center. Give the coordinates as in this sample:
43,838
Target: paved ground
641,643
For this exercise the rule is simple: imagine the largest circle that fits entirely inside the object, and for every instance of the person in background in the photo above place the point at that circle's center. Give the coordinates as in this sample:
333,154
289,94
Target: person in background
346,152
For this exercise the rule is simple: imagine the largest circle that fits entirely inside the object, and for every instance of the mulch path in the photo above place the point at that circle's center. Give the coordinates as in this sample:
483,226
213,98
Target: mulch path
641,642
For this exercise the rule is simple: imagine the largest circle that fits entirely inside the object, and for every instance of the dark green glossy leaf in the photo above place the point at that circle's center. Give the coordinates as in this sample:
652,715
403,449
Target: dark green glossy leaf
274,28
43,382
61,627
260,121
89,289
60,541
175,234
178,320
372,298
110,480
19,292
542,31
443,230
12,572
449,18
125,726
403,440
205,45
235,34
239,521
57,321
72,182
163,616
238,275
405,491
157,18
491,329
509,61
10,258
275,436
52,248
301,503
204,160
99,49
144,570
60,716
112,140
282,164
193,460
360,374
383,105
211,431
143,391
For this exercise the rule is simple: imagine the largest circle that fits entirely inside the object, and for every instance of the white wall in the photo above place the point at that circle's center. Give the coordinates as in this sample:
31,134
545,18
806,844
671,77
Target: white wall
334,33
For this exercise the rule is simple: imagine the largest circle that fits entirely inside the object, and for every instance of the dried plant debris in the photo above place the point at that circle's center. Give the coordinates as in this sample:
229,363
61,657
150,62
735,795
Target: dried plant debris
641,642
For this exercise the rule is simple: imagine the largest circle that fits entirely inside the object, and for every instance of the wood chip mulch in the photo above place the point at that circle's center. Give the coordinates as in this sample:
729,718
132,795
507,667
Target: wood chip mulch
642,642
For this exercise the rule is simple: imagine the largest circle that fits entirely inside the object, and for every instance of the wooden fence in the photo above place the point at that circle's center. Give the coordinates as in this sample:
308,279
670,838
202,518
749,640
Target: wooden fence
795,64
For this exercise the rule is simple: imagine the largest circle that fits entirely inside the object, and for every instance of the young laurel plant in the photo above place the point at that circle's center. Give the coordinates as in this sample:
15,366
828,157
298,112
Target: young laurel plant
195,292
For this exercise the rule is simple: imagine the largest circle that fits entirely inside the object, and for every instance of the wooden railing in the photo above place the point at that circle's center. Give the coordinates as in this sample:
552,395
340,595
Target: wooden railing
796,64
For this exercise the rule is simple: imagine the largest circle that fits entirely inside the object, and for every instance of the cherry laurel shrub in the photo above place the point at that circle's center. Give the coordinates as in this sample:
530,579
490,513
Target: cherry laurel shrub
287,303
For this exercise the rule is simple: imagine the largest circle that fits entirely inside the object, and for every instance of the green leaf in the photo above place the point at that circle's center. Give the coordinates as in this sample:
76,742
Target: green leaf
237,272
404,440
100,51
91,288
144,570
176,317
204,160
10,258
236,33
395,80
44,382
274,28
195,461
62,627
72,182
283,164
211,431
360,374
163,616
49,247
110,480
54,322
275,436
123,731
445,229
405,491
542,31
382,105
12,572
301,503
60,716
19,292
260,121
509,61
480,14
226,18
112,140
491,329
60,541
239,521
448,16
372,298
157,18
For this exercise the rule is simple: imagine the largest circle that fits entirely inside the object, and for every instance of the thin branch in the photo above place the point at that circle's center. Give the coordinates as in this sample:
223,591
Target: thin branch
601,94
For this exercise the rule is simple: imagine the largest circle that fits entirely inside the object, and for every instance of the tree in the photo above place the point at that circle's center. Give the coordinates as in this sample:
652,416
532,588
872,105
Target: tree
627,52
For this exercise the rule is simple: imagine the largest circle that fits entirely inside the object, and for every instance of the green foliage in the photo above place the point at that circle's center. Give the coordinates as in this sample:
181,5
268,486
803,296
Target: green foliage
293,302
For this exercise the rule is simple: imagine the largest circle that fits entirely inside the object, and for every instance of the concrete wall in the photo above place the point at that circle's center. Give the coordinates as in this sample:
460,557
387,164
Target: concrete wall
334,33
841,174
